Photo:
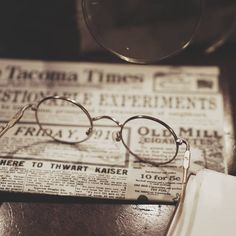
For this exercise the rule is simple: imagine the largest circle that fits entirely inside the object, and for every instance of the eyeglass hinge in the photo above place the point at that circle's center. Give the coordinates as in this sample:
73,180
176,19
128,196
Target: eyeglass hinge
179,141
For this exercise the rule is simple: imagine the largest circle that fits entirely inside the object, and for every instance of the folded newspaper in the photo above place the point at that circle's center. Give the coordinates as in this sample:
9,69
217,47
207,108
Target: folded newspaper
186,98
209,206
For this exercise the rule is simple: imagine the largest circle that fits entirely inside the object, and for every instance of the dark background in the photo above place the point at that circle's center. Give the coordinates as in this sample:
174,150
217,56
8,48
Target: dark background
54,30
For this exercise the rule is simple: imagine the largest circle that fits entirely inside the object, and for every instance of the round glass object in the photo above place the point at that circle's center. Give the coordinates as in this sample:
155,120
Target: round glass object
142,31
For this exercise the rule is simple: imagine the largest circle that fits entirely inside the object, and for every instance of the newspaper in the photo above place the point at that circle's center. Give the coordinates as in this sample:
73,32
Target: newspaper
186,98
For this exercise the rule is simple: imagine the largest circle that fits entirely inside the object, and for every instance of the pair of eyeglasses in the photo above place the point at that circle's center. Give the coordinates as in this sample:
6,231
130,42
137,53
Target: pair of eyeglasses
143,31
151,140
156,144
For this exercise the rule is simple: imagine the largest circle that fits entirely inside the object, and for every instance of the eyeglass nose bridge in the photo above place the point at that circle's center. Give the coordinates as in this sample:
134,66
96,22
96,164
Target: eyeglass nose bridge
107,117
118,133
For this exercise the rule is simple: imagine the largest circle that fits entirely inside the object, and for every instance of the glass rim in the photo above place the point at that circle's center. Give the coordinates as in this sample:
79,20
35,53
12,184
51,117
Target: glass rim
159,122
90,129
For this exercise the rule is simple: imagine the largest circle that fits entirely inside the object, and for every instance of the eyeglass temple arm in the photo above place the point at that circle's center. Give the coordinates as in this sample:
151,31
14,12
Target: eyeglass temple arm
186,162
14,120
179,208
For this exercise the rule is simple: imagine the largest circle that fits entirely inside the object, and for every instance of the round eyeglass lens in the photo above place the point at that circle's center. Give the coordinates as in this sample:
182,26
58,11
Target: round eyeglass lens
142,31
64,120
150,141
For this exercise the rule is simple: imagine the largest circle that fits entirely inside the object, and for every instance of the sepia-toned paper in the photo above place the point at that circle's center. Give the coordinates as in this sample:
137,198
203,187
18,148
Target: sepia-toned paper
186,98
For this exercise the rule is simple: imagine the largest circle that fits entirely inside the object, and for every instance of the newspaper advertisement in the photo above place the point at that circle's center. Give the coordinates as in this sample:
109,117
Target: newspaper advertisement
107,164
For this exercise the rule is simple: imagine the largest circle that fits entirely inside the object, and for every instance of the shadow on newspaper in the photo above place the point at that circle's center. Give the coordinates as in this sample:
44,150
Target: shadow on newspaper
71,153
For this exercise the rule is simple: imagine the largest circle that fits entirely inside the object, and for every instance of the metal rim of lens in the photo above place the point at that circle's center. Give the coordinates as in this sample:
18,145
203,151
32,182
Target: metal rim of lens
158,121
76,104
136,60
